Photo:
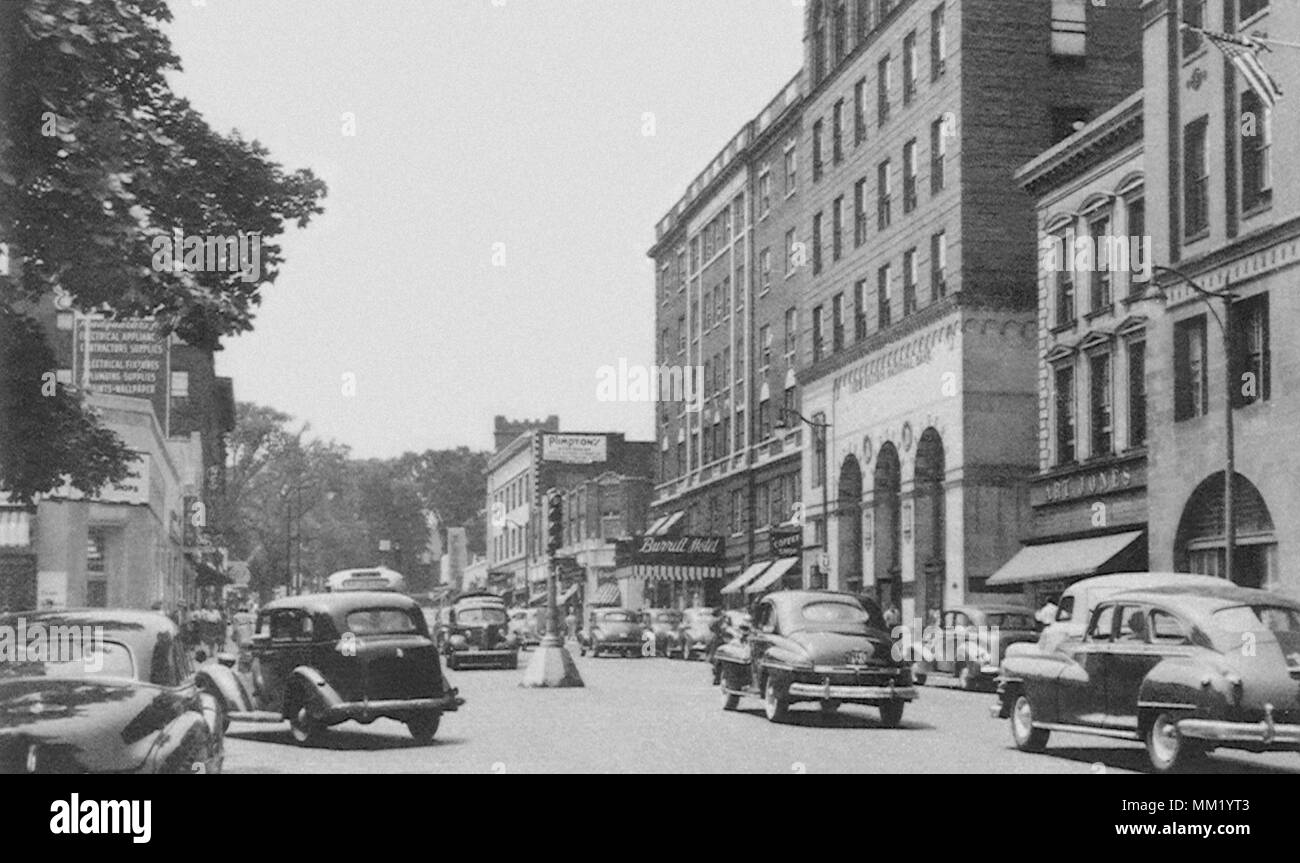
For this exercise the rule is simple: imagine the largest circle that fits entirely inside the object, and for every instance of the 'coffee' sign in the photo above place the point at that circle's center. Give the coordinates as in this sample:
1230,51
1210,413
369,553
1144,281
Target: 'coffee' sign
672,550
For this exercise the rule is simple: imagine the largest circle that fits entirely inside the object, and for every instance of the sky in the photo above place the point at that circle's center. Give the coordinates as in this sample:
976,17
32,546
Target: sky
483,246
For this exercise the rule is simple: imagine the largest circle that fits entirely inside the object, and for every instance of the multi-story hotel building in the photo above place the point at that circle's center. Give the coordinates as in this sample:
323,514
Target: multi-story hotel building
917,362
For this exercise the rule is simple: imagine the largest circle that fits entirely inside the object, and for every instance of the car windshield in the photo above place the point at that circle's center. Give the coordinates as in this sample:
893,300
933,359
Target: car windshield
842,616
480,616
667,617
72,659
1258,618
617,617
1011,621
381,621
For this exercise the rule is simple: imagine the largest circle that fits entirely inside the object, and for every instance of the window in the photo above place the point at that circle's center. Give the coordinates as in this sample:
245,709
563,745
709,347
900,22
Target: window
909,176
837,323
765,347
1064,382
791,171
883,195
859,212
1069,28
817,243
1137,393
859,310
737,514
764,193
839,31
865,20
1256,127
1064,283
180,388
938,43
1196,179
818,345
1137,230
1101,405
741,289
938,265
883,278
938,154
681,334
1166,629
1250,341
1190,383
817,150
909,67
837,228
708,241
882,91
1193,16
1099,232
1132,624
837,132
740,429
789,251
764,420
860,111
909,282
764,270
791,333
1250,8
762,511
681,272
819,450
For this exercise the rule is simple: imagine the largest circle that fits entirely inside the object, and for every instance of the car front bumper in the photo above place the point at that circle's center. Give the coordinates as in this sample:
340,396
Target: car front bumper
470,656
1266,733
842,692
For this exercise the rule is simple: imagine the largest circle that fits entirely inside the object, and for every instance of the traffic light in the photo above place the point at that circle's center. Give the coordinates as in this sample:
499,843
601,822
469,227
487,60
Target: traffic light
554,522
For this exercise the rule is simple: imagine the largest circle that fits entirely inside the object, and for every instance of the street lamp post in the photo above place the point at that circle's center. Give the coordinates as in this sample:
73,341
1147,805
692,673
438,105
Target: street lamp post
1230,470
820,430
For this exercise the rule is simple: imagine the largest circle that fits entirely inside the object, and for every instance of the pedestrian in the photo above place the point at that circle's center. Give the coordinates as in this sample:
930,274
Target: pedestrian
1047,614
571,624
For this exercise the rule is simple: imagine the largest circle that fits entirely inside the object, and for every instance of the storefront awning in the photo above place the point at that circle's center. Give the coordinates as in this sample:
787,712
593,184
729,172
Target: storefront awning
664,525
1071,558
667,572
607,594
737,584
772,575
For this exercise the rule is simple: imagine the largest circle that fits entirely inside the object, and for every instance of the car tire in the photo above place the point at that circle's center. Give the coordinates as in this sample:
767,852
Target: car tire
305,730
775,708
717,674
1167,750
424,727
918,678
1023,733
209,690
891,713
452,664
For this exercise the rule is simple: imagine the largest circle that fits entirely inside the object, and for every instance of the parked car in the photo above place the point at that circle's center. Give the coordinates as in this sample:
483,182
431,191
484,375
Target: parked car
970,641
695,635
1182,668
322,659
1074,608
663,624
733,627
525,627
612,630
819,646
115,692
478,633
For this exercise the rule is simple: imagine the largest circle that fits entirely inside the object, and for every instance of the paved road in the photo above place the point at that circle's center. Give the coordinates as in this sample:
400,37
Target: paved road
659,715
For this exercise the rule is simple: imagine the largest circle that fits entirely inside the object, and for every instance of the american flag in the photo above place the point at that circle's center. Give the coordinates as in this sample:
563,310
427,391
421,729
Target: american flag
1244,53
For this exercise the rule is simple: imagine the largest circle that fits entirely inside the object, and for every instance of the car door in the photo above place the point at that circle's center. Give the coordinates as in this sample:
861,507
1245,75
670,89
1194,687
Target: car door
1144,637
285,646
1081,688
760,639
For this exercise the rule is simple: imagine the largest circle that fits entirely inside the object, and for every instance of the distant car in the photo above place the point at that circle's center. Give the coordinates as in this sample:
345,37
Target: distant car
664,623
820,646
970,641
525,627
612,630
322,659
1074,608
478,634
695,635
1168,666
119,694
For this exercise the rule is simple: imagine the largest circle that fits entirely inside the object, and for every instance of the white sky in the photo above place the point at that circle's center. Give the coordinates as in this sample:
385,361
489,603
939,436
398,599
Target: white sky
477,122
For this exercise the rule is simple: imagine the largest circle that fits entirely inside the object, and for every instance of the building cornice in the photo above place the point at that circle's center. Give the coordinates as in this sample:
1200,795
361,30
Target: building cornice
1110,134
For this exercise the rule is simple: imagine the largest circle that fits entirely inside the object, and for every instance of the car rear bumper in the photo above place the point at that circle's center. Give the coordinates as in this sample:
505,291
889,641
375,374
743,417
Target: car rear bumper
471,656
397,707
829,691
1264,733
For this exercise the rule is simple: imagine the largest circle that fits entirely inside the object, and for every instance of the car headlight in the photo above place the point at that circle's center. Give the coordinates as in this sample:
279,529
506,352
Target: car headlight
458,641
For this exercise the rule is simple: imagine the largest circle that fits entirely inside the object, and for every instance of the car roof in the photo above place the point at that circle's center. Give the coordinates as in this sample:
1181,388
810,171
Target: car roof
789,598
138,630
1205,598
1140,580
481,595
994,608
342,602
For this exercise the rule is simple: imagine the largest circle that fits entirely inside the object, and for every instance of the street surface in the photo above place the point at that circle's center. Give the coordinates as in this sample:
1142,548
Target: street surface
663,716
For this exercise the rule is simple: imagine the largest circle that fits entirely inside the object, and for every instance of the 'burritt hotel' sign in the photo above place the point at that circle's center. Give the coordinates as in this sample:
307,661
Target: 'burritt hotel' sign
670,550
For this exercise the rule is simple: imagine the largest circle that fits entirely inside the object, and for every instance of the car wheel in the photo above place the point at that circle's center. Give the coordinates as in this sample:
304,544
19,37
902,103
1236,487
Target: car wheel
891,713
424,727
1167,750
775,707
1026,737
215,705
965,679
305,730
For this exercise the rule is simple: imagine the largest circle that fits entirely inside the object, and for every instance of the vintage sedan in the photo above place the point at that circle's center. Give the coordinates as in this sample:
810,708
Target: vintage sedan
612,630
323,659
815,646
970,641
664,624
478,634
1184,669
696,634
108,692
526,626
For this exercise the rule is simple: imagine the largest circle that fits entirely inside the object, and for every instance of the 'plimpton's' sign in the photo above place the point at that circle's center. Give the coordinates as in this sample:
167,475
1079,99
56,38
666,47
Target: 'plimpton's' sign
671,550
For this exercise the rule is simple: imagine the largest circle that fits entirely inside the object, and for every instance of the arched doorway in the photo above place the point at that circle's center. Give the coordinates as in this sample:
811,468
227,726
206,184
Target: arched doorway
1201,544
930,525
886,506
848,515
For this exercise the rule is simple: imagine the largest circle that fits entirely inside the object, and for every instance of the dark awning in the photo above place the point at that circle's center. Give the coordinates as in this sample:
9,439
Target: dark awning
737,584
207,575
773,574
1071,558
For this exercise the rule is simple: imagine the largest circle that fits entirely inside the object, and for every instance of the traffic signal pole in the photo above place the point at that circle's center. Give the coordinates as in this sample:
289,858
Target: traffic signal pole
551,665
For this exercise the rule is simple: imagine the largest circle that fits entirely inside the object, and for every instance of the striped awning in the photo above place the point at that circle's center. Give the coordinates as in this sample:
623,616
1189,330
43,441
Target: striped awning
772,575
737,584
607,594
665,572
